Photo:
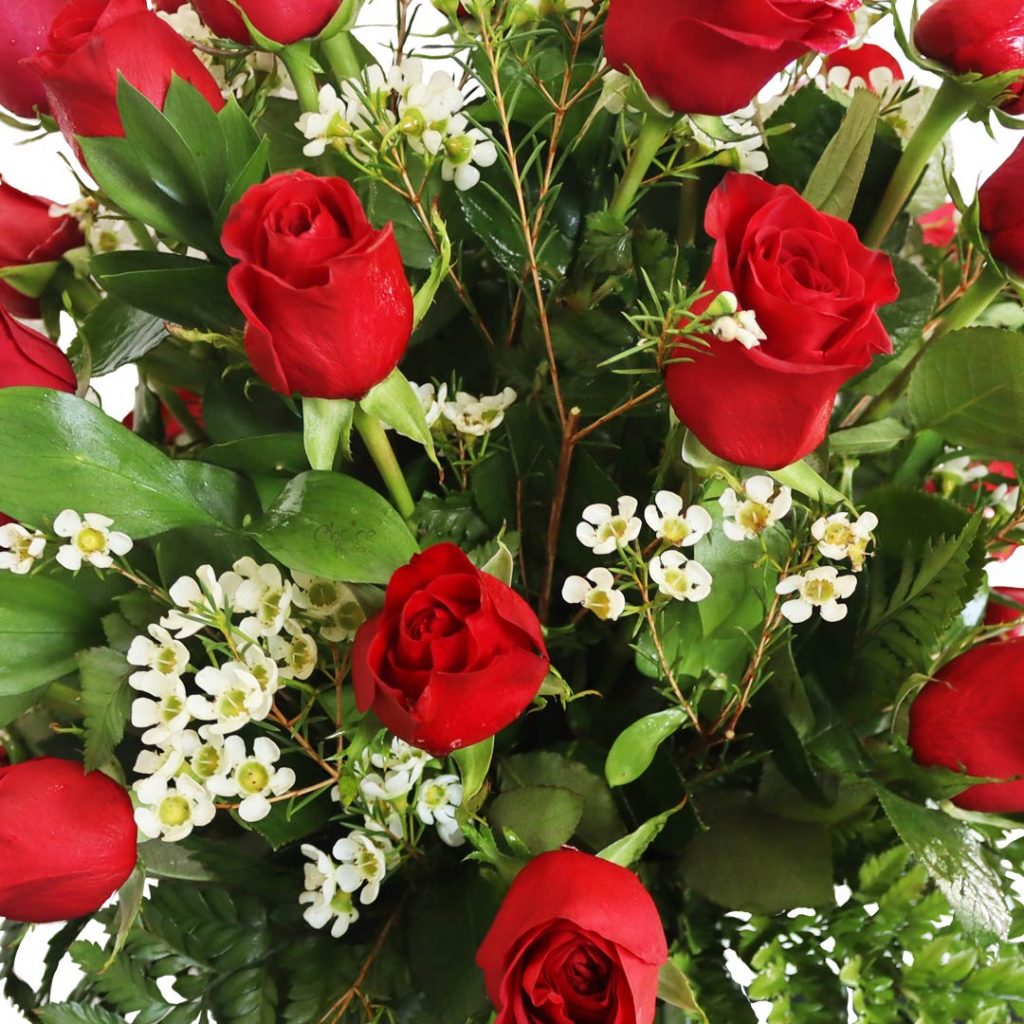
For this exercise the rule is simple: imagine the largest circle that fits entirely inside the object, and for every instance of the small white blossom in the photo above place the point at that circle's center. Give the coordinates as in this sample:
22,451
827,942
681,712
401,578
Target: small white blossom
256,777
755,509
262,591
362,864
175,810
164,713
297,654
326,126
388,776
614,89
161,765
431,399
464,148
821,588
24,548
474,417
203,599
324,902
959,471
436,804
162,654
737,137
91,538
680,529
680,577
211,761
838,538
741,326
237,699
604,531
262,667
332,604
596,593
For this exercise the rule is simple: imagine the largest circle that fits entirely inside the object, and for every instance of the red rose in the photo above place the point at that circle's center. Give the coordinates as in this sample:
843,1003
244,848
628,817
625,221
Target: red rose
454,656
984,36
713,56
284,21
863,67
815,291
939,226
92,42
576,939
31,235
68,840
27,359
968,719
996,613
24,25
327,302
1002,213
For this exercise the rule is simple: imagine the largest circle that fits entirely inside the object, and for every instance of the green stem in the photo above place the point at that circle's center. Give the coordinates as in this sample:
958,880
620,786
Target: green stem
342,56
376,440
298,61
964,312
653,133
951,102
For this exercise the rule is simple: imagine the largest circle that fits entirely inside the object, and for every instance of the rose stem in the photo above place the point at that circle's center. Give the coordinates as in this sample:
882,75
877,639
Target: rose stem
383,455
964,312
296,59
951,101
342,56
653,133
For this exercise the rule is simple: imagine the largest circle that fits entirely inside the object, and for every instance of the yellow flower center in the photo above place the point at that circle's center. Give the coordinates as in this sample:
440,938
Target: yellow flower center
819,591
206,763
754,516
231,704
252,777
675,530
90,541
174,811
172,707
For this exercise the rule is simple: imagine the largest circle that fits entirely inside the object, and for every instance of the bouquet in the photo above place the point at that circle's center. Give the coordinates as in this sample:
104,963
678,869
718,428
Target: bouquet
551,574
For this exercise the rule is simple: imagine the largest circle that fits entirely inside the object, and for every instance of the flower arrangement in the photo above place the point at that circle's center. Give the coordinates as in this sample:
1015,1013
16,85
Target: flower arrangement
545,578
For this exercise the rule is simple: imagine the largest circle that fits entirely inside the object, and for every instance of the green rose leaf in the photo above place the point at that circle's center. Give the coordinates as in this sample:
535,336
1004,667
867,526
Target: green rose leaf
632,753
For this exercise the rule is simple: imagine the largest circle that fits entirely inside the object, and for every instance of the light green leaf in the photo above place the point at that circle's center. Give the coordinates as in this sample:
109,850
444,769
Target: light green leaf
870,439
633,750
424,296
808,482
60,451
394,403
29,279
674,988
326,425
129,903
500,565
43,622
331,525
474,763
954,859
106,702
543,817
969,387
629,849
834,183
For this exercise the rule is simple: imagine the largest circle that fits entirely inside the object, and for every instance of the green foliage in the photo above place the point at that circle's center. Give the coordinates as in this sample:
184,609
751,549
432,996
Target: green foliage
117,334
633,751
106,702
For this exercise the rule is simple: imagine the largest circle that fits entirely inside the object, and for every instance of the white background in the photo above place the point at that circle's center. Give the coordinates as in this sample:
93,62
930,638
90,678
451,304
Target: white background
38,168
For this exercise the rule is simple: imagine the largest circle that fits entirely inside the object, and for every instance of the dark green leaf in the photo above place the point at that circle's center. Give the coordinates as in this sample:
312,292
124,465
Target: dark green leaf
905,318
118,333
77,1013
543,817
106,702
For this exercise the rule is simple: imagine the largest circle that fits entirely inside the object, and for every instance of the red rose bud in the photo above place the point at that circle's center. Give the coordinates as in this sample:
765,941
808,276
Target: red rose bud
983,36
68,840
454,656
815,291
92,42
1002,213
704,57
939,226
284,21
968,718
577,935
327,302
997,613
31,234
863,67
24,26
28,359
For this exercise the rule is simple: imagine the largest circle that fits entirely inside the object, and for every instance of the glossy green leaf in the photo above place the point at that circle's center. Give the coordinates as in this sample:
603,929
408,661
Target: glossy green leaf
969,387
43,623
808,482
633,750
332,525
62,452
118,333
474,763
630,848
326,426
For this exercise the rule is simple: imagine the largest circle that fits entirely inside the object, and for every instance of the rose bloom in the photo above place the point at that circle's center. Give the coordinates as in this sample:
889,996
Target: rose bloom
939,226
284,21
28,359
454,656
968,719
68,840
24,26
91,42
714,56
984,36
577,938
31,235
815,291
1002,213
326,299
863,67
